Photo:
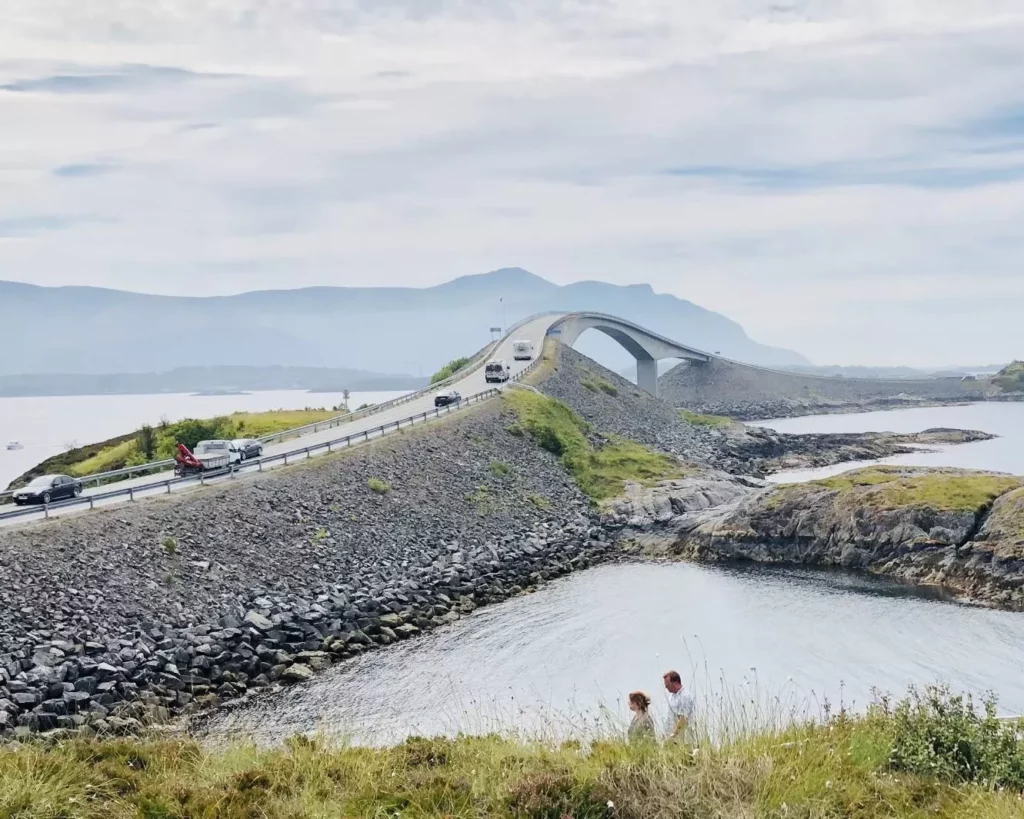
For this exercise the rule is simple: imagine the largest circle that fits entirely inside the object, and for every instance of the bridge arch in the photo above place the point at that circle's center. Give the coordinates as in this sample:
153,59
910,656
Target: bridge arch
646,347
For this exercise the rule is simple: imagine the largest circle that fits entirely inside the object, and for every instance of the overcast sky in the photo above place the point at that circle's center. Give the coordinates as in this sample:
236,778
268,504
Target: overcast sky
843,177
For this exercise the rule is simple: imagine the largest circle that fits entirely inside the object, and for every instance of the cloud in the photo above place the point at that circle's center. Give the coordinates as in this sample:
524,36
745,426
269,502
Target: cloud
820,171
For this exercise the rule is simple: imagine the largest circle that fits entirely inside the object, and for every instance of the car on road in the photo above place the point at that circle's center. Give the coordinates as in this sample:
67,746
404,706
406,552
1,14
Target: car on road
47,489
447,398
248,448
522,350
497,371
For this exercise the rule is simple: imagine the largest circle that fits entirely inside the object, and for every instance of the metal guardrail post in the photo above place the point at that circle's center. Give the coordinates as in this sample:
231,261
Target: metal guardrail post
131,493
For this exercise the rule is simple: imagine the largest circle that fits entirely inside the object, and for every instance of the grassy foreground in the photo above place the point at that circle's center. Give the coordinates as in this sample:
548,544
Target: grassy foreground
932,755
601,470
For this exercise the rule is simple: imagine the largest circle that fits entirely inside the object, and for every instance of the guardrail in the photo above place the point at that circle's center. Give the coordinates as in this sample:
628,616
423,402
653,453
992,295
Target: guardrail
257,464
474,363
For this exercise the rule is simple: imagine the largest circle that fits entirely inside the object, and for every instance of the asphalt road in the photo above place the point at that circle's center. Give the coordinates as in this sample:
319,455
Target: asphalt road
474,382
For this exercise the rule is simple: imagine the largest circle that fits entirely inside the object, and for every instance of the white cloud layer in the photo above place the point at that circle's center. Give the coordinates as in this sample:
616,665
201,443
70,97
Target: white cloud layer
844,177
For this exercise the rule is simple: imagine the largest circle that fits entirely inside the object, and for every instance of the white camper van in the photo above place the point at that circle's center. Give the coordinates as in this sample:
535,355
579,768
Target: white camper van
522,350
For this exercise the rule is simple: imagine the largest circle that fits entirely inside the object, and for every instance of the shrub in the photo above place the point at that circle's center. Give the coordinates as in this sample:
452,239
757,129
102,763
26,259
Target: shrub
515,430
499,468
539,501
170,545
379,486
146,442
449,369
936,733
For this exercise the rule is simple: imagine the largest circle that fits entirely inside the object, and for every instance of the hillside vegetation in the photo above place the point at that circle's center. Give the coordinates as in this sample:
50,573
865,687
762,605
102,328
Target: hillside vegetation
1010,378
159,442
449,369
942,490
602,467
931,755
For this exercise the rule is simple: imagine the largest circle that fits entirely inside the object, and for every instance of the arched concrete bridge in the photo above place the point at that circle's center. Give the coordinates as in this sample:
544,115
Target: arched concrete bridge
645,346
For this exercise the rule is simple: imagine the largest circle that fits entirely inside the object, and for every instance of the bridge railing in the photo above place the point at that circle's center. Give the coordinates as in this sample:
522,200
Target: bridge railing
257,464
475,362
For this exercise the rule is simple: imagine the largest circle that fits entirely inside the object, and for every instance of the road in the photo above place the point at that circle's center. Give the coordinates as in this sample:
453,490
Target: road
471,384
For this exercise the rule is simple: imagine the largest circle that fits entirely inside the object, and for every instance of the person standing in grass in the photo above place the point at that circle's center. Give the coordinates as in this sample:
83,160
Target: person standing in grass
680,706
641,729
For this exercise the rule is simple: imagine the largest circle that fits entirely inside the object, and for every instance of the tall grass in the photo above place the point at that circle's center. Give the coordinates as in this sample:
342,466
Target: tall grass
843,767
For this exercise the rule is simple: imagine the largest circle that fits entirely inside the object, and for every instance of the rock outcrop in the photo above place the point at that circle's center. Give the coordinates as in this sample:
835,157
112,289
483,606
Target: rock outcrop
748,393
961,530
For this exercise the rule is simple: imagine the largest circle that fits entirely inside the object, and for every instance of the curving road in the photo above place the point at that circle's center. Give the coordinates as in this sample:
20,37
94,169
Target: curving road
472,383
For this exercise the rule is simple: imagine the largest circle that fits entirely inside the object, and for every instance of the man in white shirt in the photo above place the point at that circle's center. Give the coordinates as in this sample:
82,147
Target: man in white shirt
680,706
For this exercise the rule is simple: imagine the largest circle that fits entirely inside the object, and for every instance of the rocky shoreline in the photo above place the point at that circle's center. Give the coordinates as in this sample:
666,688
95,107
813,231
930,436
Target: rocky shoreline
179,605
957,530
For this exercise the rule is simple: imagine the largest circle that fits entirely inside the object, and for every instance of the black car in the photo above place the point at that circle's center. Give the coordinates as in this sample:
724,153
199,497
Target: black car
47,489
446,398
249,447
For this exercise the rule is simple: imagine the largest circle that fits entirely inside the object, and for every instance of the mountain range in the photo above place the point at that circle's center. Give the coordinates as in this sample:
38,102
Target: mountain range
77,330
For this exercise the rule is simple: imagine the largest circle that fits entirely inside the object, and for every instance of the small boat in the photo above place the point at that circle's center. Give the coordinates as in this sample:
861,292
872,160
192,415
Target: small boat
14,445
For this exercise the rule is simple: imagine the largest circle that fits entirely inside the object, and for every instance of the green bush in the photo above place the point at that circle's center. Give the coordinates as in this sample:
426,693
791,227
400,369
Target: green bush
936,733
379,486
449,369
499,468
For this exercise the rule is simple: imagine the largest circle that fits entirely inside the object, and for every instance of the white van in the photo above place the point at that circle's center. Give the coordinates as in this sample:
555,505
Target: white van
497,371
522,350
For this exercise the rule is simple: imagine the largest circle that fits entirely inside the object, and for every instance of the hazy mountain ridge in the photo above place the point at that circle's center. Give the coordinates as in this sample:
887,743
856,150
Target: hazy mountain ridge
94,330
194,379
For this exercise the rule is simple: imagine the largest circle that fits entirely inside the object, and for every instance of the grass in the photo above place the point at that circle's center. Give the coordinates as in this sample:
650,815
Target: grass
539,501
124,450
598,384
930,755
600,471
484,500
941,490
170,546
1010,378
706,420
449,369
378,486
499,469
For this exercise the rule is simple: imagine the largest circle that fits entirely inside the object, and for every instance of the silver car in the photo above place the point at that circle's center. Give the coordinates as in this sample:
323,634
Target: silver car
248,448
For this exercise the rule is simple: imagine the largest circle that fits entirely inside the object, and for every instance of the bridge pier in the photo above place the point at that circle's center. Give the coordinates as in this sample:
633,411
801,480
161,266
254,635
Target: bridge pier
647,375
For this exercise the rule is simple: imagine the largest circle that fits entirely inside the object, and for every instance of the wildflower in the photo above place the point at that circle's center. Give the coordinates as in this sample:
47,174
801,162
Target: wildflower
611,804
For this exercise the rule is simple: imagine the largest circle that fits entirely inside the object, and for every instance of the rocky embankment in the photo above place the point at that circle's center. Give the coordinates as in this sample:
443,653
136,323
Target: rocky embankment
749,393
760,451
167,606
614,405
959,530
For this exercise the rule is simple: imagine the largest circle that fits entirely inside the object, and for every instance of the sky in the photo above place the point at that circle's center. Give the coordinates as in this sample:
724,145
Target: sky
843,177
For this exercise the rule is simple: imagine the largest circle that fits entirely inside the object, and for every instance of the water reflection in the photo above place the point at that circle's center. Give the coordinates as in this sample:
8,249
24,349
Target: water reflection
567,656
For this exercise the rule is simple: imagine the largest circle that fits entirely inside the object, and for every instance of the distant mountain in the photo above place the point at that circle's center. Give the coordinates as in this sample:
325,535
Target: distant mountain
206,379
381,329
